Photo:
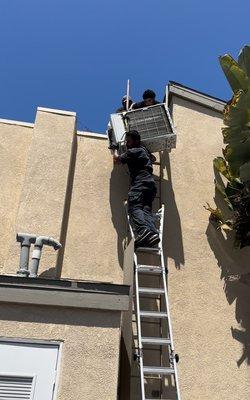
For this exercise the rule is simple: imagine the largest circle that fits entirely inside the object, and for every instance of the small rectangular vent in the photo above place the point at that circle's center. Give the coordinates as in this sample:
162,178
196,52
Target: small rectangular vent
16,387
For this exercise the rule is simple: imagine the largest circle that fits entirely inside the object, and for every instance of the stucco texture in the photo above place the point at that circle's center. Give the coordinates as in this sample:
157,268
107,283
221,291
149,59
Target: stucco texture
209,305
97,221
44,184
90,351
14,150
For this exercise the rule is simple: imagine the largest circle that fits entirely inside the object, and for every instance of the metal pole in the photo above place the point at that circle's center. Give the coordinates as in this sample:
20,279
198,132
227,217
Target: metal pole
127,99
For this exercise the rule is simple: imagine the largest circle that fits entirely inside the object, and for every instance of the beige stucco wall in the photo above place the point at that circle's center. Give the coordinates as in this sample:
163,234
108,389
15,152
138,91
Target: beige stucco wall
56,183
84,208
97,223
90,351
209,305
44,183
14,150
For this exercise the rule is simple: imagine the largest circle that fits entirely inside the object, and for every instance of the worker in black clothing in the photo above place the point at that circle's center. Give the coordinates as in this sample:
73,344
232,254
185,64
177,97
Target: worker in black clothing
124,104
142,191
148,100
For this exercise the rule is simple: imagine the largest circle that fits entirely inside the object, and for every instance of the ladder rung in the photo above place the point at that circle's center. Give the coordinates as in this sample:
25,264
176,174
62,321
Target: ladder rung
153,314
158,370
148,250
148,290
156,340
149,269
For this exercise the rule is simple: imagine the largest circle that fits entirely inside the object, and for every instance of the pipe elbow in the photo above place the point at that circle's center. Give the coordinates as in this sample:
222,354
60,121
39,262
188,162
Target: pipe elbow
49,241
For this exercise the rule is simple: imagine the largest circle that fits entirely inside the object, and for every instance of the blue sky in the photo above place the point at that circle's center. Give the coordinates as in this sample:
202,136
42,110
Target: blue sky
77,54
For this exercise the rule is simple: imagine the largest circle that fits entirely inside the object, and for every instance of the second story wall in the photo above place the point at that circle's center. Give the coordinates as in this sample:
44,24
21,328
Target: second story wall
58,183
14,151
97,223
209,303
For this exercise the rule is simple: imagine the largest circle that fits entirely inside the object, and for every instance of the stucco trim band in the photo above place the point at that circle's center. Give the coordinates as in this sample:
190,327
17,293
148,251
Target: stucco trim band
19,123
54,111
64,293
92,135
195,96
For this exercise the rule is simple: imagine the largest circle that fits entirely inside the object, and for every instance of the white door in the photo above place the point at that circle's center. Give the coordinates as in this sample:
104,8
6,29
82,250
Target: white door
27,370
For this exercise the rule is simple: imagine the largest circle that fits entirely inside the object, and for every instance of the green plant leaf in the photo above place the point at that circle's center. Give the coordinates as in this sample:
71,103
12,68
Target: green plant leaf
245,172
244,60
235,134
236,76
215,213
221,166
236,111
222,191
237,154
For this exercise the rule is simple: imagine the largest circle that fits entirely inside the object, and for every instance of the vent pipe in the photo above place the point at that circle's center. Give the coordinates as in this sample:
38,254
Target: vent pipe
26,239
36,255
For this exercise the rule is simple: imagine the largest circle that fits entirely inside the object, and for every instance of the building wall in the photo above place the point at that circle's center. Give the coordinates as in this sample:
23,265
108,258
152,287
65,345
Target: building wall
90,356
97,223
209,304
63,185
14,151
57,183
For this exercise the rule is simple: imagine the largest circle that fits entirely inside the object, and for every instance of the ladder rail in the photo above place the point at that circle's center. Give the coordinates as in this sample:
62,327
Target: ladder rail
138,310
164,269
139,335
139,313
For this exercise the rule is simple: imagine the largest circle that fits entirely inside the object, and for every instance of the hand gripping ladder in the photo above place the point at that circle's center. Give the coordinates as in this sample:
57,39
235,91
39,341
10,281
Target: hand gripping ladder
163,341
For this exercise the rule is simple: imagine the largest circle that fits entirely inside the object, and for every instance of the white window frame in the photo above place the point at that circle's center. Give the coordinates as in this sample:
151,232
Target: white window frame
58,343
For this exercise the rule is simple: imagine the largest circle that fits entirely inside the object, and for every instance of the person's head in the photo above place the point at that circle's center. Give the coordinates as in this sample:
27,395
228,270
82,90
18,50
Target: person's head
124,101
149,97
133,139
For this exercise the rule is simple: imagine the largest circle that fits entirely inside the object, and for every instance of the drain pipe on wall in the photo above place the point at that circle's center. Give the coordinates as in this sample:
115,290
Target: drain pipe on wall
26,239
36,255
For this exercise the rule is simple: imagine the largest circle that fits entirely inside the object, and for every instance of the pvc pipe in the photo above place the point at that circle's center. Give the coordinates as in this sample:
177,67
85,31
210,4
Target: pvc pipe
25,239
36,255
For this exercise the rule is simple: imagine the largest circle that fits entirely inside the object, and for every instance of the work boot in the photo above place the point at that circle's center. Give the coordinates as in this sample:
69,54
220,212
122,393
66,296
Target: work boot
153,240
142,238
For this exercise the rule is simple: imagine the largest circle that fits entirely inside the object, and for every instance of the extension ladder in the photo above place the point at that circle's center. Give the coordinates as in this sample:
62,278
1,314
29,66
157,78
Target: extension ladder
162,342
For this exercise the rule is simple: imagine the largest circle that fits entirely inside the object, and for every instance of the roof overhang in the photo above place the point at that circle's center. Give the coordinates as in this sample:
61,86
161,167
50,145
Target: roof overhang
64,293
194,96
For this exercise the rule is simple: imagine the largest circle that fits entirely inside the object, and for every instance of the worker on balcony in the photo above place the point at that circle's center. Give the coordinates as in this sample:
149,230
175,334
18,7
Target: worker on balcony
148,100
124,104
142,191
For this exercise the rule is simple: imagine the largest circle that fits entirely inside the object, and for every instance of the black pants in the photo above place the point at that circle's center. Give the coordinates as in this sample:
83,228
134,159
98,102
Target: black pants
140,199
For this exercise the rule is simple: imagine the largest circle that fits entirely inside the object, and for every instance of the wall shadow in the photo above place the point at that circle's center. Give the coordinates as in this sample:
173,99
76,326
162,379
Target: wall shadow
67,204
235,267
172,234
118,193
57,316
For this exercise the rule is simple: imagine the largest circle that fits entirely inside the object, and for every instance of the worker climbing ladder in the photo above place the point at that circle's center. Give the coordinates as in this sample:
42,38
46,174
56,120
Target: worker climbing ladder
154,349
151,283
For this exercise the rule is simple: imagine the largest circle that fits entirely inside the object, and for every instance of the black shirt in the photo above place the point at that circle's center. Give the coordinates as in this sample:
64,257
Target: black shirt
139,164
120,110
142,104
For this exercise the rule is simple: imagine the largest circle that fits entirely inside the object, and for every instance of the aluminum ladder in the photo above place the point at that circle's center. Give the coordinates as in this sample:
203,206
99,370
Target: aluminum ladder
164,341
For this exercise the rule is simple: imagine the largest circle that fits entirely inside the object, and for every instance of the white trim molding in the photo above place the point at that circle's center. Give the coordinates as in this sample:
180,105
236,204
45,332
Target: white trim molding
176,89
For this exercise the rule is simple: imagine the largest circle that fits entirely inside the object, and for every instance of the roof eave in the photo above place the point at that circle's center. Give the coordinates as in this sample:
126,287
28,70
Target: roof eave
194,96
